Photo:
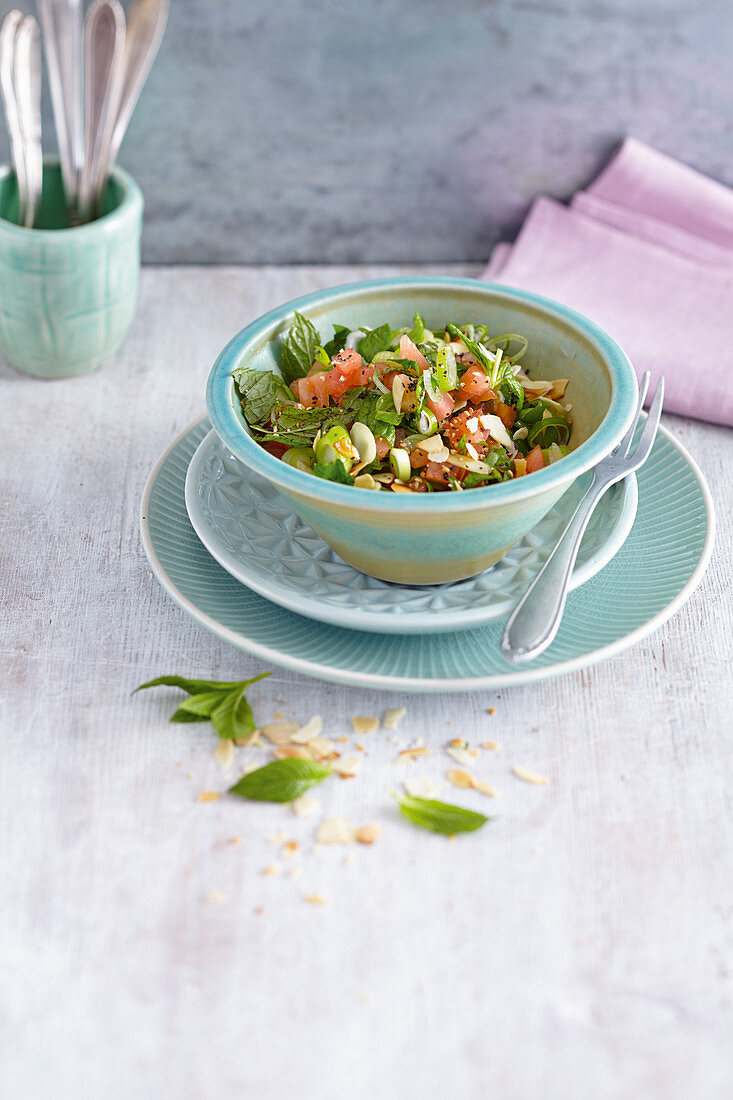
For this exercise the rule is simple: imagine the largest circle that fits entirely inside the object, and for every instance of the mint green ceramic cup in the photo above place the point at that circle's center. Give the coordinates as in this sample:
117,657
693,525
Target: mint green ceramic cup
68,295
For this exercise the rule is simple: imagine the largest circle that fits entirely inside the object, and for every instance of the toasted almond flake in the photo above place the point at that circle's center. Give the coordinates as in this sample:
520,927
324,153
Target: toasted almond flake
529,776
520,467
363,724
251,767
557,390
276,714
408,755
347,768
224,755
359,746
472,424
485,788
290,849
461,756
458,743
299,752
492,710
422,787
432,444
235,840
367,834
365,481
295,872
314,899
336,830
216,897
521,433
489,745
279,733
472,452
312,728
472,752
209,796
393,717
459,778
305,805
398,487
322,749
273,869
341,740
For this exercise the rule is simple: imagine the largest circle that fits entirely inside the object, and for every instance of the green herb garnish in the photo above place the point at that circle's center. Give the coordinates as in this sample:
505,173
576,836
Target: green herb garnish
338,341
299,349
259,391
378,339
439,817
281,781
221,702
332,471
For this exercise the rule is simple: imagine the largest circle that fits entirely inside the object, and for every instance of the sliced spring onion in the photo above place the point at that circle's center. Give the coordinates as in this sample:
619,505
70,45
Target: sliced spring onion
336,445
430,389
506,338
363,439
302,458
427,423
352,340
385,356
446,369
553,429
398,392
399,460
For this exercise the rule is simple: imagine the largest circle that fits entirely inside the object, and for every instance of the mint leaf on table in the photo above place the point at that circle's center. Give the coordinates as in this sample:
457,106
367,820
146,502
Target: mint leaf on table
299,349
379,339
439,817
260,390
221,702
281,781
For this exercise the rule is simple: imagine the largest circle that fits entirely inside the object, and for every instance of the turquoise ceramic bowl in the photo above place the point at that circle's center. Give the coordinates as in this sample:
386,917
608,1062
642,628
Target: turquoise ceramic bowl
436,537
68,296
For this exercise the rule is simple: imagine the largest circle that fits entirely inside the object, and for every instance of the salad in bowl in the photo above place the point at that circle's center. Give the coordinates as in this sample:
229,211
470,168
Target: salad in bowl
410,410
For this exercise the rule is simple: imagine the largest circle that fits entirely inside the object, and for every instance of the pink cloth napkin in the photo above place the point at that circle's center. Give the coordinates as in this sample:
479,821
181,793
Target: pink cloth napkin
646,252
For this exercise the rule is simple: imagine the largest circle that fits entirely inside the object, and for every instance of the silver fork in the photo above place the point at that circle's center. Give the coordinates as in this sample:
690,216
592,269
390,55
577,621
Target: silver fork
535,620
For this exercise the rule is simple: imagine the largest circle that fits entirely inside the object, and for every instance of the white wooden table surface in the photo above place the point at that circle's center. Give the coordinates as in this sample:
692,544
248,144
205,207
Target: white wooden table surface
580,946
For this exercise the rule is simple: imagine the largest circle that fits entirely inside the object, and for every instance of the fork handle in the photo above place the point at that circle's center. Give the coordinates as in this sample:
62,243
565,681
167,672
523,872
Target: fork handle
534,622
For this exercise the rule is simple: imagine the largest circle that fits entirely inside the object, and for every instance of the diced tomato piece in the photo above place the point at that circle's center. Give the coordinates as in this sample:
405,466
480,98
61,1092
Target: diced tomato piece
439,472
382,446
506,413
408,350
535,459
441,407
320,387
474,385
418,458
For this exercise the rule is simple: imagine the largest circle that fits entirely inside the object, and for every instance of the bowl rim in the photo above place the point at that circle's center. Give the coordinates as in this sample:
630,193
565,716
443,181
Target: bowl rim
221,408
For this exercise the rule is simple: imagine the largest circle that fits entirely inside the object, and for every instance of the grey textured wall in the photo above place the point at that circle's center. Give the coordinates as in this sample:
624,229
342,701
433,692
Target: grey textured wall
347,130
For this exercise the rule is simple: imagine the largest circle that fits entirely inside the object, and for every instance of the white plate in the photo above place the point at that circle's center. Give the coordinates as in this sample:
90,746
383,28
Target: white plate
251,530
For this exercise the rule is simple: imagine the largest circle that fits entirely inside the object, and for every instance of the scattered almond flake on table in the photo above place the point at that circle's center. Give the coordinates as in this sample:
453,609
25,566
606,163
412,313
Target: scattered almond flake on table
341,740
312,728
458,743
336,830
216,897
367,834
359,746
364,724
279,733
530,776
209,796
408,755
224,755
347,768
421,786
305,804
459,778
461,756
489,745
314,899
273,869
235,840
290,849
251,767
485,788
295,872
393,717
276,714
252,739
290,752
492,710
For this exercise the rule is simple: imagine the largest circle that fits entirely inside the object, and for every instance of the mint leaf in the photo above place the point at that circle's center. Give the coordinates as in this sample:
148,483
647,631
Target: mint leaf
332,471
417,334
439,817
280,781
338,342
232,718
299,350
260,390
379,339
200,706
194,687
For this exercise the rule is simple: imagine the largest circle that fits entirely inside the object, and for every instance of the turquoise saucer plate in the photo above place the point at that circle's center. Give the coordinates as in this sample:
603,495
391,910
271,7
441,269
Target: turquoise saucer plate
654,572
251,529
